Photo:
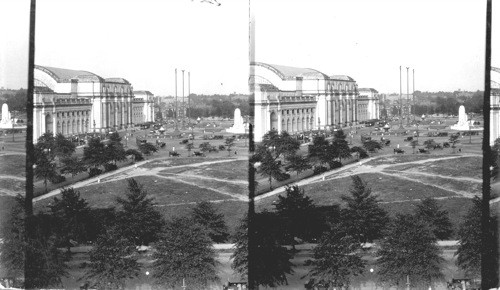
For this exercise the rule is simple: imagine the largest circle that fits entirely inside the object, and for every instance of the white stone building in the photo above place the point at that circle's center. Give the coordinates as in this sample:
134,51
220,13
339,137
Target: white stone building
75,102
300,99
143,107
368,104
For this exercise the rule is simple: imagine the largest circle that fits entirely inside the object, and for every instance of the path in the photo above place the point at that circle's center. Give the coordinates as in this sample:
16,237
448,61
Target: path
137,170
5,191
361,167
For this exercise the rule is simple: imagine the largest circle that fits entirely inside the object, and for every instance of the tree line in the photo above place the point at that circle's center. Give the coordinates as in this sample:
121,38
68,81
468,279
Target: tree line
406,243
180,248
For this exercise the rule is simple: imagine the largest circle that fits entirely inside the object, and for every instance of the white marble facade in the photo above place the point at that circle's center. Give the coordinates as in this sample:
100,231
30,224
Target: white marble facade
300,99
74,102
495,105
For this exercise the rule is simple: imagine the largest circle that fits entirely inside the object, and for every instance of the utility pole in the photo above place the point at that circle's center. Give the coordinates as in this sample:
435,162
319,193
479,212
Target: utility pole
413,96
176,108
183,105
189,98
400,102
408,96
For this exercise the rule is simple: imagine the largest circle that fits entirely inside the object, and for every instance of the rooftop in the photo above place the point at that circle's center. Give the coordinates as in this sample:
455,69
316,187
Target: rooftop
117,80
62,75
291,73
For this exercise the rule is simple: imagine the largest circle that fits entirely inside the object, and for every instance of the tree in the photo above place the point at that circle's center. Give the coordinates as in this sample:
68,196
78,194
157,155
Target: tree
138,219
296,210
372,145
94,153
47,263
337,258
71,214
409,250
321,150
470,244
205,214
229,143
205,147
63,147
136,154
114,150
270,260
147,148
359,151
281,144
45,167
454,140
429,143
362,217
429,211
298,163
269,167
73,165
184,251
414,144
113,261
340,145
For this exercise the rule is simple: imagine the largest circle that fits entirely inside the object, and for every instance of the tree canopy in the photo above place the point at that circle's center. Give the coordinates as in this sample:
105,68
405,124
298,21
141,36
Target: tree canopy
429,211
137,218
184,251
362,217
409,249
205,214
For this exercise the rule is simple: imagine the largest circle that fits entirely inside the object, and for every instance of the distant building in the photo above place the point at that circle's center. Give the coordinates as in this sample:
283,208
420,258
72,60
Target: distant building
75,102
297,100
143,107
368,104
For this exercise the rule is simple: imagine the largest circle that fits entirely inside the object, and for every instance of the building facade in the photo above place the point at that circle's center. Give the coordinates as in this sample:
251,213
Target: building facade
495,105
368,104
300,99
74,102
143,107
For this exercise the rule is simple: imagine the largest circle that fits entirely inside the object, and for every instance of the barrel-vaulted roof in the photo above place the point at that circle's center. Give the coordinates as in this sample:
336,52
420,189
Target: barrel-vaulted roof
62,75
368,89
143,93
117,80
341,78
291,73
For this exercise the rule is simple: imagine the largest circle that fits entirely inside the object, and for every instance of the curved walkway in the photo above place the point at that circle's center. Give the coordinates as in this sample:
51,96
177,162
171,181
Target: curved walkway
137,170
361,167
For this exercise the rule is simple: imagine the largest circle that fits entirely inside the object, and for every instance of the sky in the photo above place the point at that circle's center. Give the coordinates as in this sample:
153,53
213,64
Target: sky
145,41
443,41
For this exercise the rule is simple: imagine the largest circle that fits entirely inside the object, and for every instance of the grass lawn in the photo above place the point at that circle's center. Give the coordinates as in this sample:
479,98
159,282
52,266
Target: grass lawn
13,165
397,158
177,161
164,192
12,184
241,189
467,166
233,170
450,184
388,188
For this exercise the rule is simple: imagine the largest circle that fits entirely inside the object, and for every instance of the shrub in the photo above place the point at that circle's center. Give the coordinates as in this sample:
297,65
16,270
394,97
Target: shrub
335,164
57,179
110,167
319,169
94,171
283,177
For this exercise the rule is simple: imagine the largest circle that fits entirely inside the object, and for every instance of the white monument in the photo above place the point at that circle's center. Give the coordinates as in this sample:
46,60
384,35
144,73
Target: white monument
463,123
6,122
239,126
